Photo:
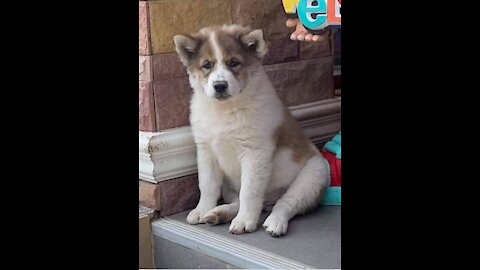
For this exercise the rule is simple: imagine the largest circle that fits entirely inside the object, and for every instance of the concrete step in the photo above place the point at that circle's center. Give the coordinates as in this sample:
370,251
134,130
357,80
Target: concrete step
312,241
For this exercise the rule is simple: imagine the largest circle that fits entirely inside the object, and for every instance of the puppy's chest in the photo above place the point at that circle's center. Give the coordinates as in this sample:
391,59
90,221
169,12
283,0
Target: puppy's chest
219,127
228,154
227,137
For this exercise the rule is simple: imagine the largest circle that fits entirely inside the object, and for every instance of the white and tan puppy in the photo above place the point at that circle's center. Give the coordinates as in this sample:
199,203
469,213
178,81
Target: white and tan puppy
250,150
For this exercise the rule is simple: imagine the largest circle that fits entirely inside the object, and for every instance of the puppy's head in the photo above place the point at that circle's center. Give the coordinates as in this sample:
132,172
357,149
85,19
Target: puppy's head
221,60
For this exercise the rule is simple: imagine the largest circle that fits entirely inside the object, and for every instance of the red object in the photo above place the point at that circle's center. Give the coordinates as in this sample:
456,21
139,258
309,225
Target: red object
335,168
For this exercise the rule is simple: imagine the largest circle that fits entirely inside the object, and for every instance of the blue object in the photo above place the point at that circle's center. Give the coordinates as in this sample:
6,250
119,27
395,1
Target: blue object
338,138
305,11
334,145
333,196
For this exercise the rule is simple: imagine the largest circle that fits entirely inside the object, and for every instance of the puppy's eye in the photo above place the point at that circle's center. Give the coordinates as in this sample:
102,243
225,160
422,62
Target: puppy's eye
207,65
234,63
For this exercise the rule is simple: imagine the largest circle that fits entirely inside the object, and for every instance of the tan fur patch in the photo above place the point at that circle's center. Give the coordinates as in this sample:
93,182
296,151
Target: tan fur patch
289,135
228,38
232,49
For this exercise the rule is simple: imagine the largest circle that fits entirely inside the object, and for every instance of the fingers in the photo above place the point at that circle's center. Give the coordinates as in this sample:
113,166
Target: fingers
292,22
302,34
318,38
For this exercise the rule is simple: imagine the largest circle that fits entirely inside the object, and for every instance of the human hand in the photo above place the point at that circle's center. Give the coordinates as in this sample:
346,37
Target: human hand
301,33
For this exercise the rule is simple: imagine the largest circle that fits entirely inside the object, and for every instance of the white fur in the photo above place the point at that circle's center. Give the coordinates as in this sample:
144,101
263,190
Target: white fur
220,72
235,152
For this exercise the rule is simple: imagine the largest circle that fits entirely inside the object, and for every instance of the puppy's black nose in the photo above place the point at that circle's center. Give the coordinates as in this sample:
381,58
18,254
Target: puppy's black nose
220,86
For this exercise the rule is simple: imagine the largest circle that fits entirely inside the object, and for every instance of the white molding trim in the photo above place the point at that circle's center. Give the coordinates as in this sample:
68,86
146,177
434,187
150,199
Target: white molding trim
171,153
166,155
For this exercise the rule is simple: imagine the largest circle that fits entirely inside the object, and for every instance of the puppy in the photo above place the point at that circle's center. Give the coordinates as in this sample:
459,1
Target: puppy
250,150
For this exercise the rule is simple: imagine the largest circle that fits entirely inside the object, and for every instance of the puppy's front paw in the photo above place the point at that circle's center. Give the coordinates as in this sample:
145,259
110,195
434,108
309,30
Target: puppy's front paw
275,225
215,216
242,224
195,216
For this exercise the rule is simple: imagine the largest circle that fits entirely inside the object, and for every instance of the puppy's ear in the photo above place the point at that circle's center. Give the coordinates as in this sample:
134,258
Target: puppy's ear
254,42
186,47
